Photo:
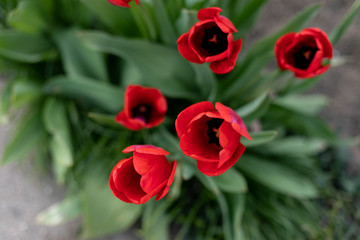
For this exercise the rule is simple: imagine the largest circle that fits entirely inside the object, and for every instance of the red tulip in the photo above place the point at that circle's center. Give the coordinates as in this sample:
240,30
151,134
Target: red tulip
144,107
211,136
146,174
122,3
304,52
211,40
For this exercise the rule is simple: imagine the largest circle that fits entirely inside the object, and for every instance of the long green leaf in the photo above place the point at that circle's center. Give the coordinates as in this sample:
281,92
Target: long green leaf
29,17
295,24
231,181
345,23
254,109
78,60
307,104
28,136
166,28
117,19
175,75
103,95
277,177
259,138
12,45
103,213
61,212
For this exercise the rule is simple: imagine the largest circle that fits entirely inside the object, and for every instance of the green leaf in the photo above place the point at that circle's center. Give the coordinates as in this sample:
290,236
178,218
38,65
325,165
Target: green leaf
5,102
294,146
259,138
117,19
266,45
211,185
167,31
206,81
35,50
308,125
77,59
25,92
103,213
61,212
105,120
239,84
254,109
175,77
306,104
29,17
186,20
277,177
231,181
345,23
248,15
103,95
60,145
237,204
29,135
156,221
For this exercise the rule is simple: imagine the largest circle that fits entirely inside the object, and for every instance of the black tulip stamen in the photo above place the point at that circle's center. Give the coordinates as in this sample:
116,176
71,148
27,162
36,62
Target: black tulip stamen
142,112
213,130
214,41
304,56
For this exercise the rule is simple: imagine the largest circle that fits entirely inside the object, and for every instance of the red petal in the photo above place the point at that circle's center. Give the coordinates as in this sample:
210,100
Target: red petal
122,3
213,169
234,158
127,181
195,142
130,123
227,64
186,51
185,117
147,149
229,139
231,116
225,24
280,46
165,190
325,43
208,13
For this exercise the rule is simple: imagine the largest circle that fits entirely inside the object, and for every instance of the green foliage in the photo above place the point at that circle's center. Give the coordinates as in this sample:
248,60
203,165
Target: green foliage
69,63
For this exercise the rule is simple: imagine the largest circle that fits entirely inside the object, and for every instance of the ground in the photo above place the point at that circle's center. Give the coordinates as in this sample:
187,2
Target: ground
24,193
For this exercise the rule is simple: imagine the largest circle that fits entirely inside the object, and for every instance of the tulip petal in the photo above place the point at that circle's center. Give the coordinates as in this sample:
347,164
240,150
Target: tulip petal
195,142
208,13
148,149
233,118
186,51
185,117
229,139
227,64
165,190
225,24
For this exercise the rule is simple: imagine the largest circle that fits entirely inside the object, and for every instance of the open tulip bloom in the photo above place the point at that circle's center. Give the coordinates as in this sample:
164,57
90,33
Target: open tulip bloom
146,174
112,95
211,136
211,40
303,53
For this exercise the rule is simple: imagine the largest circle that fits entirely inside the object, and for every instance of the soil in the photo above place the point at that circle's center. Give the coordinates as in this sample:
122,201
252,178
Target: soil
24,193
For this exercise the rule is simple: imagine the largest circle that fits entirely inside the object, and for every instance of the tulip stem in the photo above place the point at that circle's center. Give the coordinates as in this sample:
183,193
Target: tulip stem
143,21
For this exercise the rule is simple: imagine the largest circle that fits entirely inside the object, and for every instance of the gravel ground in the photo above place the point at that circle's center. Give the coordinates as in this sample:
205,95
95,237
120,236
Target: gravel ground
24,192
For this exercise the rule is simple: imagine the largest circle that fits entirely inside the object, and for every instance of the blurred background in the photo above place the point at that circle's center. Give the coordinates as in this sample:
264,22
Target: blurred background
24,193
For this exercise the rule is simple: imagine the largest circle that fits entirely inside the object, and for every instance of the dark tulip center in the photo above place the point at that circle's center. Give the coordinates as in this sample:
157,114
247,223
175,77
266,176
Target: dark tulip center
142,112
214,41
303,57
213,130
